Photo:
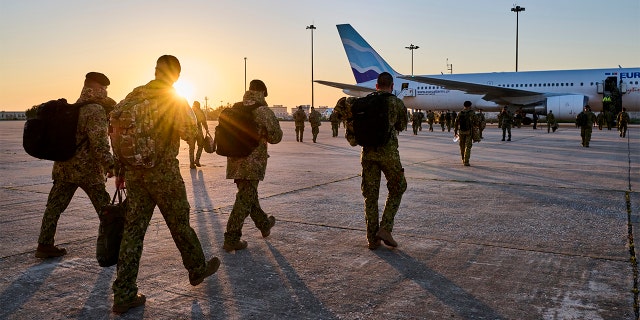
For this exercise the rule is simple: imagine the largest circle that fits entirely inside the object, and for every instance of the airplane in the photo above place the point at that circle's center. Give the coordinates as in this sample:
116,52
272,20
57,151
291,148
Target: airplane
565,92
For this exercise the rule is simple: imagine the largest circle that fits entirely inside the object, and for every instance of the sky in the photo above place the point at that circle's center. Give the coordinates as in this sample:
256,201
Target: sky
47,47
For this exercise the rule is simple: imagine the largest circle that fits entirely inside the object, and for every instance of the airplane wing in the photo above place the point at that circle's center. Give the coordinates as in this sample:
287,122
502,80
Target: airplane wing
353,89
495,94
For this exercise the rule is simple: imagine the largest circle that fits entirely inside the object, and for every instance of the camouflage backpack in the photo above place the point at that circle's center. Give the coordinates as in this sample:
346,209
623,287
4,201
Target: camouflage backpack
134,138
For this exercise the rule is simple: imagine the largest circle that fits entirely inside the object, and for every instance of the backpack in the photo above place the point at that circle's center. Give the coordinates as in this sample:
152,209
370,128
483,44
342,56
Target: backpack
132,128
236,134
465,120
581,119
51,135
370,117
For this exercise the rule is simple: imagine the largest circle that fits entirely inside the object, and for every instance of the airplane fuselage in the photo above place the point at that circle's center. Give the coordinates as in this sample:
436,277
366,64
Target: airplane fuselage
563,92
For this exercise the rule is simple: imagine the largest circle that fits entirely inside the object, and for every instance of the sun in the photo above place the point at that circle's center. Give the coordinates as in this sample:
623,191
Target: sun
184,89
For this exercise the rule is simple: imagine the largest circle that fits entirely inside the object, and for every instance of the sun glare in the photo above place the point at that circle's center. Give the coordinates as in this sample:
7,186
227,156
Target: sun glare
184,89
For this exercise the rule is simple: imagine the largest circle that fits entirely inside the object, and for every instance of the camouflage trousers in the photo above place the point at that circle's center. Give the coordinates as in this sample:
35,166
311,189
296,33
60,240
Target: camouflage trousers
299,133
334,129
506,131
466,142
396,184
192,148
314,131
143,194
60,197
247,204
585,133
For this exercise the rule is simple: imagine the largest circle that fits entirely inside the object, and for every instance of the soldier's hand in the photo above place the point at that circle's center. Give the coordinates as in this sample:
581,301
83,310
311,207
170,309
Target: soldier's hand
120,182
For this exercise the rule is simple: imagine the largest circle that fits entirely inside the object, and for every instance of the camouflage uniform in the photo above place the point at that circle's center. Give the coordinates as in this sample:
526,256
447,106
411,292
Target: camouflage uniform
299,117
430,118
551,122
416,122
160,186
384,159
587,128
247,171
334,118
505,119
466,136
314,119
201,122
623,121
86,169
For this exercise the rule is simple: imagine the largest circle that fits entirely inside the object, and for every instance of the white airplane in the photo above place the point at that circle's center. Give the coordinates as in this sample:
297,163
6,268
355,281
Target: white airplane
565,92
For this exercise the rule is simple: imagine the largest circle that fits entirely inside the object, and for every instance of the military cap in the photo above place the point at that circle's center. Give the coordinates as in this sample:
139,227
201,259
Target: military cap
258,85
97,77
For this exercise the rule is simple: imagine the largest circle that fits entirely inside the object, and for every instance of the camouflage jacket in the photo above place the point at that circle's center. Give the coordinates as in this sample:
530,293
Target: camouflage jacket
93,158
254,166
314,118
505,119
201,119
176,121
397,122
299,117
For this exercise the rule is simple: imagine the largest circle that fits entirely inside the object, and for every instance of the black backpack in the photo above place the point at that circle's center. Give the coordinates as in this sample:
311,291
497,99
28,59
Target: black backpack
581,119
464,120
237,131
370,116
51,135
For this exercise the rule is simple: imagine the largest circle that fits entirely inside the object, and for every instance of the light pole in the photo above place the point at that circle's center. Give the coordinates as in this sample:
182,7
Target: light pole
412,47
517,10
312,27
245,74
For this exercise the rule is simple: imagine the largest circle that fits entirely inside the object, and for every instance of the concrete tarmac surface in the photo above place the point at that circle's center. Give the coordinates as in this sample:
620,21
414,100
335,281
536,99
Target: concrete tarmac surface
536,228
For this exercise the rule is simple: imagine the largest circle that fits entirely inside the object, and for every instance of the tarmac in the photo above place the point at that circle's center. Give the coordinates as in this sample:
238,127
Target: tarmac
536,228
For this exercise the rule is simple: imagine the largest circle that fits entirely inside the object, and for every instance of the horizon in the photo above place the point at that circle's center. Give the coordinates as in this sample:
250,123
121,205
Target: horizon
48,47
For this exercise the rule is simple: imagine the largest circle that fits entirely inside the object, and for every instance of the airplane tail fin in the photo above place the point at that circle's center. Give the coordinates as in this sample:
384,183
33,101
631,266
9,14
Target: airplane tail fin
365,62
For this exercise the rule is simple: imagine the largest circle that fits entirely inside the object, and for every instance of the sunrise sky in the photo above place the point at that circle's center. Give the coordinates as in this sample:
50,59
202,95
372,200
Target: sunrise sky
47,46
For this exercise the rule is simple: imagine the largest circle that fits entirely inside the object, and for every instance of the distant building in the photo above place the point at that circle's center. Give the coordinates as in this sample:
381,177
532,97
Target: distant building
13,115
280,111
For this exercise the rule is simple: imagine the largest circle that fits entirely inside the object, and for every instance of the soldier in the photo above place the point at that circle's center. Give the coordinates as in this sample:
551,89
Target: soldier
314,120
505,119
600,119
86,169
161,186
299,117
430,119
416,119
482,122
551,122
248,171
442,119
585,121
334,118
383,159
201,122
449,120
623,121
463,128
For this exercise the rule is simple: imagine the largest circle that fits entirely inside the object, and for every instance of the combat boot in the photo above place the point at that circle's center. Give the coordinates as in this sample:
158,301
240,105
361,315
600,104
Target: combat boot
49,251
211,268
234,246
386,237
139,300
374,245
232,241
267,231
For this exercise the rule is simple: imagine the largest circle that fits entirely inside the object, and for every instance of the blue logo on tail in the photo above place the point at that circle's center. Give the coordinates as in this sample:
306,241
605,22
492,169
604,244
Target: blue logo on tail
365,62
